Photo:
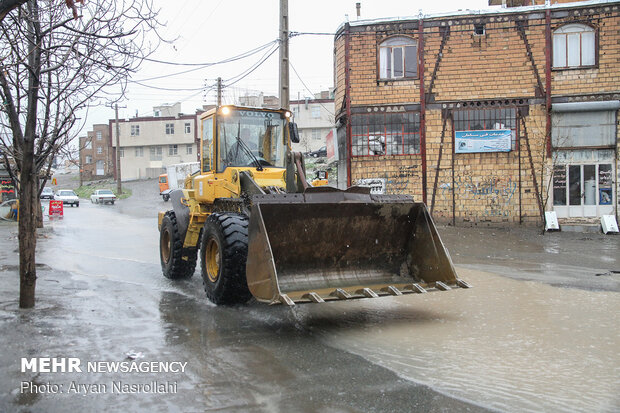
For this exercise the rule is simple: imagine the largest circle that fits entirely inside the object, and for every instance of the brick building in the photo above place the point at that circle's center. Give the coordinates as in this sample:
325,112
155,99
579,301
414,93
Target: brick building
96,157
489,116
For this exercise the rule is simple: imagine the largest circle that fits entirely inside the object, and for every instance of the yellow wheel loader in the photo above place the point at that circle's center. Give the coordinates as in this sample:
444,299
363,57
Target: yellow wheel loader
262,231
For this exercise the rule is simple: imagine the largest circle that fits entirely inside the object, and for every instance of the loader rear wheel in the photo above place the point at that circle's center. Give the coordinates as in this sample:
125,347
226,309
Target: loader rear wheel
223,254
176,262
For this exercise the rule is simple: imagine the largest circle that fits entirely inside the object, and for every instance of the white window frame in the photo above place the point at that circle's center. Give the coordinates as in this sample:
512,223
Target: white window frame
135,130
88,144
155,153
406,46
169,128
173,150
99,150
574,46
121,152
99,135
188,127
189,150
139,152
88,159
316,112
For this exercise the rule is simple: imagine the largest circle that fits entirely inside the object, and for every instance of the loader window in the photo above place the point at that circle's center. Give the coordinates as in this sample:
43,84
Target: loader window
251,139
207,140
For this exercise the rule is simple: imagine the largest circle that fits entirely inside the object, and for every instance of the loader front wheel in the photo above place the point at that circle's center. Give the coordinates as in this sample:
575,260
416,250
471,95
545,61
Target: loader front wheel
223,254
176,262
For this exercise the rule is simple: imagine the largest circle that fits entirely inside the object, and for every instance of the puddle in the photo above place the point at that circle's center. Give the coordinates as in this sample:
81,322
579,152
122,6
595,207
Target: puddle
505,344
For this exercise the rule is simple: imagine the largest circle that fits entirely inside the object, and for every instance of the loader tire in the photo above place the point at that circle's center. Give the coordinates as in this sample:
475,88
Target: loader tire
176,262
223,254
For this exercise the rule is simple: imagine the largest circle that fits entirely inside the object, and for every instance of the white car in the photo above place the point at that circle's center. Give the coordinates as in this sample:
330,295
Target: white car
103,196
67,196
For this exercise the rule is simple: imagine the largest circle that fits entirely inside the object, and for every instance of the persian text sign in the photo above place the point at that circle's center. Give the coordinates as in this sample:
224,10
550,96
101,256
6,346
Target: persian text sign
56,209
473,141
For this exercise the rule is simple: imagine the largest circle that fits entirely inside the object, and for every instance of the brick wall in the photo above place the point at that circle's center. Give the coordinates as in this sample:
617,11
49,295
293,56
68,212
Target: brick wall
505,66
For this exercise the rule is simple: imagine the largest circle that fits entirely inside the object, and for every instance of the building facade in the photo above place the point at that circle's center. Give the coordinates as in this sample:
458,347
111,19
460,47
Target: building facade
490,116
96,160
149,144
315,119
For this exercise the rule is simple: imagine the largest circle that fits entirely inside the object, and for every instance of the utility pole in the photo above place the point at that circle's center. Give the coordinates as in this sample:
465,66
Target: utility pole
119,189
284,72
219,92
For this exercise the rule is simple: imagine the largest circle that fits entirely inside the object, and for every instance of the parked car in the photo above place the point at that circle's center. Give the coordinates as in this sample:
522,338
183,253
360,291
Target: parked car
67,196
103,196
322,151
47,193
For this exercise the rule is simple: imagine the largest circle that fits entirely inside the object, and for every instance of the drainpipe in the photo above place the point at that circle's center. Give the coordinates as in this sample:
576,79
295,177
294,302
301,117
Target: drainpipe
422,105
347,97
548,79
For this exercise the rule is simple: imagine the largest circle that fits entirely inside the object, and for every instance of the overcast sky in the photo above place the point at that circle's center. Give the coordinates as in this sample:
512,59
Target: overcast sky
214,30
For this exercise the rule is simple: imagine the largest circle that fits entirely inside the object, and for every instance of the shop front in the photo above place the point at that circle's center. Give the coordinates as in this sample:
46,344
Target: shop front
584,159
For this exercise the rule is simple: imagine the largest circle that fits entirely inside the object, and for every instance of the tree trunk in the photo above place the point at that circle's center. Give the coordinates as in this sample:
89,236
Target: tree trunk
28,203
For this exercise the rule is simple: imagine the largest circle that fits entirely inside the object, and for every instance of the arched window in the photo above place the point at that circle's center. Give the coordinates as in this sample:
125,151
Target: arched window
398,58
573,46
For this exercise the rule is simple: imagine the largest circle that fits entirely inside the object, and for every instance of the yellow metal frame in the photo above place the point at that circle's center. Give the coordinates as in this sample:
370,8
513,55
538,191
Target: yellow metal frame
203,189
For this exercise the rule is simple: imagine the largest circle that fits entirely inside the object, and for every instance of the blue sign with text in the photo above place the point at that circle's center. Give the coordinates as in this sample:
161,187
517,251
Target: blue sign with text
473,141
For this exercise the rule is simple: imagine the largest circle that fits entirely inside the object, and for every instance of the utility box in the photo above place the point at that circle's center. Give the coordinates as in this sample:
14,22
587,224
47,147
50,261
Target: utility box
609,224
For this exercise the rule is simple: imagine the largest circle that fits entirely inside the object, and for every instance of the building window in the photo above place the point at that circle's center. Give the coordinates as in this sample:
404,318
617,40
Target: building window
172,150
169,128
188,127
398,58
135,130
98,135
121,152
487,119
573,46
89,159
316,112
139,151
88,144
99,150
156,153
385,134
189,150
479,29
316,134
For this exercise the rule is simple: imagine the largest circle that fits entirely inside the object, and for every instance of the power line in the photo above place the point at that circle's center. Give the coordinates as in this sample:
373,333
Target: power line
168,89
307,88
243,75
227,60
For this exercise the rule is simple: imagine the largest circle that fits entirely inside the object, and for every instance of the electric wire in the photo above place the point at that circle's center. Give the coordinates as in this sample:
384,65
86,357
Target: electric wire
307,88
227,60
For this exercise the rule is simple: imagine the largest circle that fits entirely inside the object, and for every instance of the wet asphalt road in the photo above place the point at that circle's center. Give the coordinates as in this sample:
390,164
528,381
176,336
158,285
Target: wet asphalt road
101,295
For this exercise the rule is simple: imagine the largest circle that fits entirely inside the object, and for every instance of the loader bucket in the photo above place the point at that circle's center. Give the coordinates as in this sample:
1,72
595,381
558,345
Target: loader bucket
327,244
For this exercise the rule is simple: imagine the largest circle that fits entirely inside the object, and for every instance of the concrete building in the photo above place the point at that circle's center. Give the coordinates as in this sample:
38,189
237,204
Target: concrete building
315,119
488,117
260,101
149,144
96,157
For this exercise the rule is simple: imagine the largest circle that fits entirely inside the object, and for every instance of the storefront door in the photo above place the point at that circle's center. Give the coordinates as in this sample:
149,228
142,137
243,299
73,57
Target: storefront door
584,190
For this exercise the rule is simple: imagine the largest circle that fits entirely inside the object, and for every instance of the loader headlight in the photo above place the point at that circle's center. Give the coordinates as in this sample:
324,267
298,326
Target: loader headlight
225,110
287,114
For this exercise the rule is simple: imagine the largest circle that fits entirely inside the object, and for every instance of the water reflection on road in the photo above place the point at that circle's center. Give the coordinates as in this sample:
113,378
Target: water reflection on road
509,345
505,344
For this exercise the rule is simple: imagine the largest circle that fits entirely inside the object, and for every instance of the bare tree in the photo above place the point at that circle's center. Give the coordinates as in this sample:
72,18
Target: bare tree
55,64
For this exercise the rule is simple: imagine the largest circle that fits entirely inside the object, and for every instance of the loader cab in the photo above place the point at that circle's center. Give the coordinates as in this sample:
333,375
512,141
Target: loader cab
243,137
